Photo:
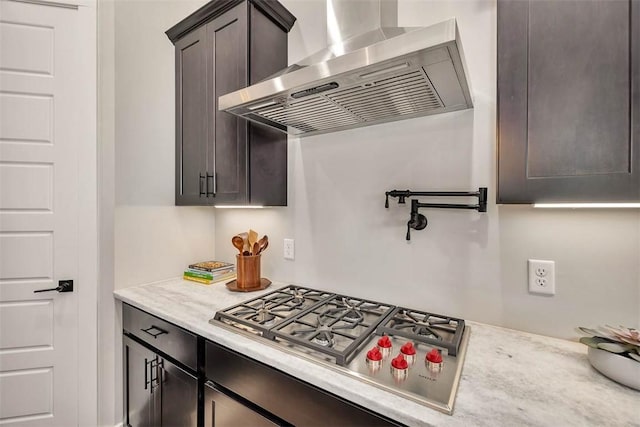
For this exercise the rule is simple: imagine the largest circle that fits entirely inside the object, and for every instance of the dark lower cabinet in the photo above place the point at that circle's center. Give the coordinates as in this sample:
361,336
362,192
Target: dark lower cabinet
178,396
157,392
568,101
140,401
160,372
221,410
221,159
173,378
282,397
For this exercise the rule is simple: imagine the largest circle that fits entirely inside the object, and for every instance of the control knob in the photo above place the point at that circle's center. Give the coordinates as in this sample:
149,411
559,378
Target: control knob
399,367
374,359
434,360
384,344
409,352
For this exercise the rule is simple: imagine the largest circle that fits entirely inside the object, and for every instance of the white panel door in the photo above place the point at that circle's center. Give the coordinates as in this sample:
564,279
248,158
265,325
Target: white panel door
40,79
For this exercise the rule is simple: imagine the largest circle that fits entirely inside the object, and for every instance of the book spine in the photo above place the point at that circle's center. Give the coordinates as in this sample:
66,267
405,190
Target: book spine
208,270
197,279
205,275
210,281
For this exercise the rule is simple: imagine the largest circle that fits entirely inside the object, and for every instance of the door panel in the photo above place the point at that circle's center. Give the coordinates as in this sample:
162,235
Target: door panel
40,94
191,123
179,397
37,42
26,186
228,41
221,410
26,393
142,392
38,264
568,101
16,106
36,325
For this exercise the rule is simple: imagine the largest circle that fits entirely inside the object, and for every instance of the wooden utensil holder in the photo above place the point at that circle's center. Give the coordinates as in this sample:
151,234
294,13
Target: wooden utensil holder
248,271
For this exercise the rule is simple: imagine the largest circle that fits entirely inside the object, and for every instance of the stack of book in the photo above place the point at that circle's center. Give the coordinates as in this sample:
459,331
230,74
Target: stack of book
208,272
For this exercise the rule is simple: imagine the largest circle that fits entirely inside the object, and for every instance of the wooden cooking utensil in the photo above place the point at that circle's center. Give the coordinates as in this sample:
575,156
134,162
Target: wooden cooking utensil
263,247
256,249
245,241
238,243
253,238
262,243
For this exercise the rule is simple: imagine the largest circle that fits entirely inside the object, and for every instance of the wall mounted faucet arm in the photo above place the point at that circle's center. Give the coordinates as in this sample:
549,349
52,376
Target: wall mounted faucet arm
418,221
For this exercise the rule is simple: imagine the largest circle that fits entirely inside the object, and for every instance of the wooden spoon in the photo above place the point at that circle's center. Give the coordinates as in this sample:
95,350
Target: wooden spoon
238,243
262,243
253,238
256,248
245,241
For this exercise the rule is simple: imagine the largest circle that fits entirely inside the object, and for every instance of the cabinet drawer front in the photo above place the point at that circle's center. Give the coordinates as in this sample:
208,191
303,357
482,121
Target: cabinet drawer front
170,339
287,398
221,410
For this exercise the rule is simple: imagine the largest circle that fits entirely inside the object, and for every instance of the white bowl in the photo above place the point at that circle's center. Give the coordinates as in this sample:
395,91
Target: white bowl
619,368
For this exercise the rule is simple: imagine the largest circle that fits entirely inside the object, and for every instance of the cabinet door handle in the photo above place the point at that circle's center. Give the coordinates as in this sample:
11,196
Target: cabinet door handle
213,186
156,366
151,373
156,331
202,179
146,373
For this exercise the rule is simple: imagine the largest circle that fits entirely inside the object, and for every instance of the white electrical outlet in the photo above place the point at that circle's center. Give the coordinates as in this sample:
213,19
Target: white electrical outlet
542,277
289,249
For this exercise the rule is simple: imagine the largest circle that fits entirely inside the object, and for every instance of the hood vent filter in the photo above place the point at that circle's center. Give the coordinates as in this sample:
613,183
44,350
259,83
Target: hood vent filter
409,93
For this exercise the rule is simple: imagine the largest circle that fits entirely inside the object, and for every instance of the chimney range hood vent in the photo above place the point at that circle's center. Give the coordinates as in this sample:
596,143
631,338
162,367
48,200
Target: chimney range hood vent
383,75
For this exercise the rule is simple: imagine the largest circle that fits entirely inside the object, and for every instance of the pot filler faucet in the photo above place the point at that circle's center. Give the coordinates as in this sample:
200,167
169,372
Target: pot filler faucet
418,221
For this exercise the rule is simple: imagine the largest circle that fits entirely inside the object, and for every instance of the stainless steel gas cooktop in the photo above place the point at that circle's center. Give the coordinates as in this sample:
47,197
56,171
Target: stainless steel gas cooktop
412,353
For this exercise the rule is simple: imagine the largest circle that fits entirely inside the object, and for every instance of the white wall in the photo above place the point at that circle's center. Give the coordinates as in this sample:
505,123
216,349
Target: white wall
153,238
143,236
464,263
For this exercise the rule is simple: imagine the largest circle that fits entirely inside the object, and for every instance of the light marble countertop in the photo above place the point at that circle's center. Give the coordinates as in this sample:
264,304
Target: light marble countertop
510,378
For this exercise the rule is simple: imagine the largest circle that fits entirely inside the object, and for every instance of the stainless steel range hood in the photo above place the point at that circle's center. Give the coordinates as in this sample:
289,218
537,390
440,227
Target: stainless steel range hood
383,75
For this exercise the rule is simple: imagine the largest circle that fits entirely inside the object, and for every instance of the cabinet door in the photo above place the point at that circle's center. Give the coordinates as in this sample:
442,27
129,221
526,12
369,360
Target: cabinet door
141,385
227,36
191,119
221,410
179,396
568,101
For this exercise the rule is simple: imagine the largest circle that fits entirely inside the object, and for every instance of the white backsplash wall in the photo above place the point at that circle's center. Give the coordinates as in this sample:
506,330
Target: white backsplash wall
464,263
154,239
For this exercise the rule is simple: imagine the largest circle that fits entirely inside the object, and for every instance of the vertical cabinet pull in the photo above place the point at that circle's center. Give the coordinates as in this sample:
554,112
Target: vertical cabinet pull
202,179
152,373
213,184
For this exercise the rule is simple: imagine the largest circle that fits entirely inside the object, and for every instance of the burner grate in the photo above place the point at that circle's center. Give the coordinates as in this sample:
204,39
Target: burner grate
263,313
441,331
337,327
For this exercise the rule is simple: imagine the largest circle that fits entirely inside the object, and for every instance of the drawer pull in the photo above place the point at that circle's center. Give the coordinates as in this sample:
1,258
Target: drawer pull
156,331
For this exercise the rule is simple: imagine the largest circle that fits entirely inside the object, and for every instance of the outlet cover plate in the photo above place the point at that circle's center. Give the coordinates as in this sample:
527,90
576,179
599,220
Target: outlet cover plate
289,249
542,277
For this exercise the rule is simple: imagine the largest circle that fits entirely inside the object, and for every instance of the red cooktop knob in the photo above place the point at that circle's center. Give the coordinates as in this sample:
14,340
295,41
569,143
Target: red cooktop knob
408,349
434,356
399,362
384,342
374,354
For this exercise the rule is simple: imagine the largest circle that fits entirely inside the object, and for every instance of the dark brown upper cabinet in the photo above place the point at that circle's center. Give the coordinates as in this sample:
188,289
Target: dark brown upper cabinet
220,158
568,101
